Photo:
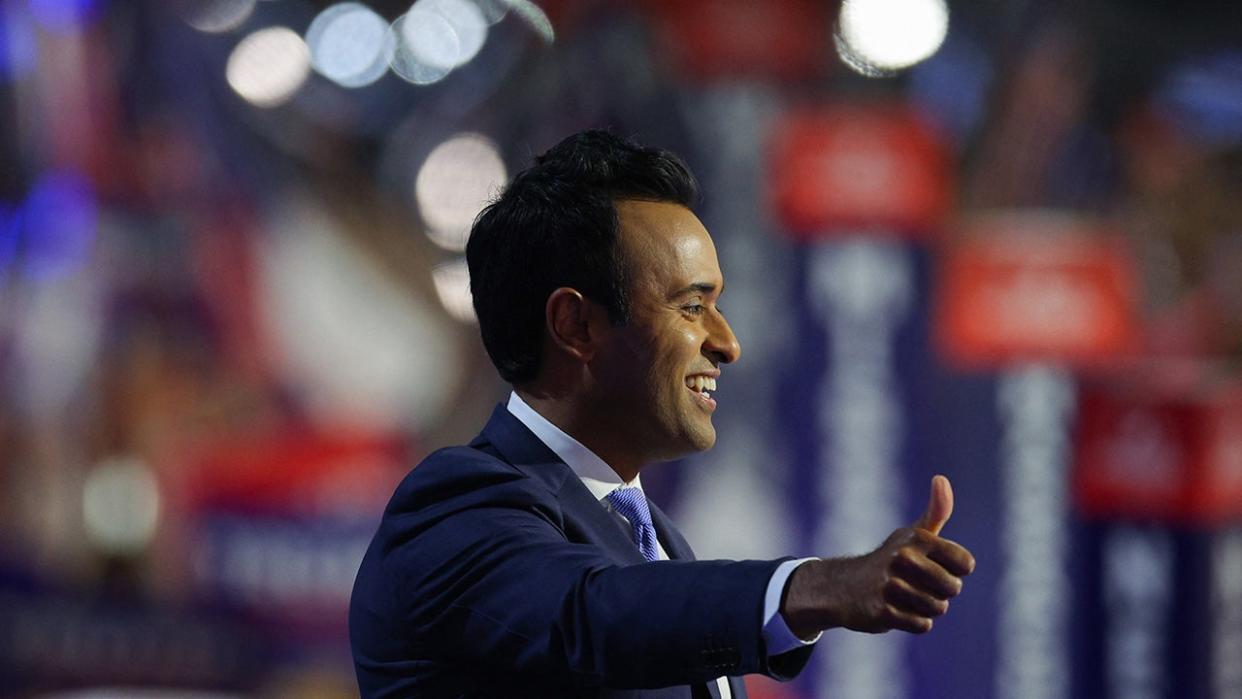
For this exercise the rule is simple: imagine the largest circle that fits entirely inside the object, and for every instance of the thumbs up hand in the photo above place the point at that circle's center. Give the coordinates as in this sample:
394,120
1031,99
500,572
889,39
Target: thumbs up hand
904,584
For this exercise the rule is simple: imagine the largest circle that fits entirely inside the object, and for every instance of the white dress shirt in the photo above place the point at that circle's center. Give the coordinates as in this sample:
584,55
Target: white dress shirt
601,480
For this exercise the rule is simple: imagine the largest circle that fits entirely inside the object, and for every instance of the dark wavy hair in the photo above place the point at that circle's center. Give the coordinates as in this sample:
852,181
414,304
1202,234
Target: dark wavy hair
556,225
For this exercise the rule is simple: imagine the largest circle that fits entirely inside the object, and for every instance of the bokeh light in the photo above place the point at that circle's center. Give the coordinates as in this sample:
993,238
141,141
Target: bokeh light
454,184
877,37
437,36
535,17
216,16
431,38
267,67
121,505
350,44
493,10
415,34
58,225
452,282
856,62
468,23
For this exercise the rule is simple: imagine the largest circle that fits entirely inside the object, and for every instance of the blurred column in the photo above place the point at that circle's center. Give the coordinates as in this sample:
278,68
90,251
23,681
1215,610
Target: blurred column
1036,404
863,291
861,186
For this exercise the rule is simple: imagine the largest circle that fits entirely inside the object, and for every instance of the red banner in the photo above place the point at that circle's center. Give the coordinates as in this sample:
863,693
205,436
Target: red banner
1147,453
782,39
847,169
1035,287
300,474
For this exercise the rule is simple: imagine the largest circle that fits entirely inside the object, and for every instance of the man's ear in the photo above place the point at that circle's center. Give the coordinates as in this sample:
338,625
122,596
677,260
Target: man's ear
571,323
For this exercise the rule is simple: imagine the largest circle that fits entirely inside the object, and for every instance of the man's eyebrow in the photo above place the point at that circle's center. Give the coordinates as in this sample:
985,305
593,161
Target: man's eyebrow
695,288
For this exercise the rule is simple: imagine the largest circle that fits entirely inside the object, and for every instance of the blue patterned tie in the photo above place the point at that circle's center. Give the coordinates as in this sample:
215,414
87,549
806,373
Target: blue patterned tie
631,504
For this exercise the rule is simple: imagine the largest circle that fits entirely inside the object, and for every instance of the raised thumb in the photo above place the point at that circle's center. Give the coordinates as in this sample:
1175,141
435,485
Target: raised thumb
939,506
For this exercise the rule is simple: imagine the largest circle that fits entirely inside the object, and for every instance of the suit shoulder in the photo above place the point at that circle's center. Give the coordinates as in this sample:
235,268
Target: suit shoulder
462,459
458,477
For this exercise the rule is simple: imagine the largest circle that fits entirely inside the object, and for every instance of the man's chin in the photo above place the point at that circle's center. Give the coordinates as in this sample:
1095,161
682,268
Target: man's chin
702,437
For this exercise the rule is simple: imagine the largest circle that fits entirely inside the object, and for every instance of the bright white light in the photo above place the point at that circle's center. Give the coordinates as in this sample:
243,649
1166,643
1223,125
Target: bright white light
493,10
452,281
454,184
121,505
436,36
468,24
431,37
216,16
415,34
350,44
268,66
857,63
876,37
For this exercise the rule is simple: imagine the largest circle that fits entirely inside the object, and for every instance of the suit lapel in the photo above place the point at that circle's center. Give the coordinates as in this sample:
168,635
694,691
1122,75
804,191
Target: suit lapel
674,543
586,520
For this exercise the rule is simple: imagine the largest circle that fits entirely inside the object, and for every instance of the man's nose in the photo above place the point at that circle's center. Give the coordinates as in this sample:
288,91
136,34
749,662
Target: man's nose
721,344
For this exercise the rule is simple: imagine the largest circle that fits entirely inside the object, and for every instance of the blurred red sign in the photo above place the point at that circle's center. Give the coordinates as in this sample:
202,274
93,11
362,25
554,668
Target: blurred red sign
1144,454
785,39
279,523
300,473
1035,287
846,169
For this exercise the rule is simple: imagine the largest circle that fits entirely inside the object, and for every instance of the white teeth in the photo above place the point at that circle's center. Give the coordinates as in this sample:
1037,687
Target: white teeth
702,384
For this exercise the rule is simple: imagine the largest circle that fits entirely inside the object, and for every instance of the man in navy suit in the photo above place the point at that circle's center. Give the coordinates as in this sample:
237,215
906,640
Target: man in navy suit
528,563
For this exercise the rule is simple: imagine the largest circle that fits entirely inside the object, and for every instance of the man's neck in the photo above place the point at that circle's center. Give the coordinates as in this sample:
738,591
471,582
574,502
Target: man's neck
577,423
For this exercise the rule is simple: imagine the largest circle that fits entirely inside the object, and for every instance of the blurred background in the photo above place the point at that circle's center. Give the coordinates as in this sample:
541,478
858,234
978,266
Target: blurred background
996,240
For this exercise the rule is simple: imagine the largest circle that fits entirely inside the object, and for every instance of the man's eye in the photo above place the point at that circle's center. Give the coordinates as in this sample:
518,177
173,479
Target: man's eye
694,309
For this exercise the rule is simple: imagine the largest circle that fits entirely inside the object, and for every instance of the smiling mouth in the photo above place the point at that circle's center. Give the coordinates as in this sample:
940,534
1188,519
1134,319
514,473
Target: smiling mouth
700,387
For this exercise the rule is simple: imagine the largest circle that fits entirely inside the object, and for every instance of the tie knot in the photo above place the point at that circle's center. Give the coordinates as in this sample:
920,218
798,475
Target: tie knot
631,504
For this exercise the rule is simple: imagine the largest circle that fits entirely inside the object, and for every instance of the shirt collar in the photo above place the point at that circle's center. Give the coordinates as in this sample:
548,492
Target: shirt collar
596,475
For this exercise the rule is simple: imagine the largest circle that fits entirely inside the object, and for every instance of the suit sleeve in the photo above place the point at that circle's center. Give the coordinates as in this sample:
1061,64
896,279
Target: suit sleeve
485,576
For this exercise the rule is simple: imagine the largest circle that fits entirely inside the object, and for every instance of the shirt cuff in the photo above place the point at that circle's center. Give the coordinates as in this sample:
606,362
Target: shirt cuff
777,637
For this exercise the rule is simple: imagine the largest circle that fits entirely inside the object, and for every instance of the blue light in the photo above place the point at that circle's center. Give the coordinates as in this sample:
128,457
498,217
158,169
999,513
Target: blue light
58,226
953,85
9,224
64,15
1204,98
19,51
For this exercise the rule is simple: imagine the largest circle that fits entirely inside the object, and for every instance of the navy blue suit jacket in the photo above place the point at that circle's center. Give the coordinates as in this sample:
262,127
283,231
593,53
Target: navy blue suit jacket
496,573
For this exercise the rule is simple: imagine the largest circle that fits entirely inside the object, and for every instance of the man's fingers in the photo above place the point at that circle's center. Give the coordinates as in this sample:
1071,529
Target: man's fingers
901,620
905,597
927,575
939,506
953,557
